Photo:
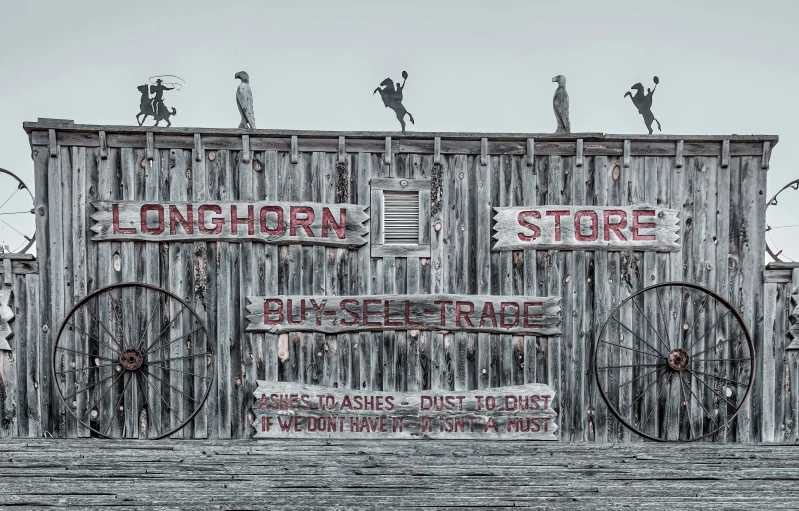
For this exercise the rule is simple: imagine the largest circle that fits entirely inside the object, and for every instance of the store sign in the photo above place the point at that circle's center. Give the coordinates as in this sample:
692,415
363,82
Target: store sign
641,227
281,223
294,410
524,315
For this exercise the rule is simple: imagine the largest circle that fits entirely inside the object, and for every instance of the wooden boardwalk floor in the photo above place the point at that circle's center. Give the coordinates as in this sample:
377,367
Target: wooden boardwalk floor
299,475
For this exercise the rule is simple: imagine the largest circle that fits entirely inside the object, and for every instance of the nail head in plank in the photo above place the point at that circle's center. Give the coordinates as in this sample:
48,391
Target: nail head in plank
342,150
295,156
484,152
245,148
764,164
150,147
725,153
198,147
103,146
530,152
579,159
678,161
626,160
52,143
437,151
387,153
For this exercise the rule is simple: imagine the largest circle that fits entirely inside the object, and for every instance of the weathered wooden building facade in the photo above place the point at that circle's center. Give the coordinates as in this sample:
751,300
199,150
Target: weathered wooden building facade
237,222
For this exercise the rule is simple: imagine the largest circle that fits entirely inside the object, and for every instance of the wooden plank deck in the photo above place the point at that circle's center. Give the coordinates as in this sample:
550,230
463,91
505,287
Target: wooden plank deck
298,475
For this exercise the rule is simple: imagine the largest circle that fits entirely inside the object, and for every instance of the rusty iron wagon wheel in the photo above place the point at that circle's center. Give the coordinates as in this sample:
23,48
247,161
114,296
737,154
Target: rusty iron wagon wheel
133,360
17,213
675,362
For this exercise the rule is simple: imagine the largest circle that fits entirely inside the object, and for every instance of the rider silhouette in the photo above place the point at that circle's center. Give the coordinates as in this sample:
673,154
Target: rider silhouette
392,98
158,99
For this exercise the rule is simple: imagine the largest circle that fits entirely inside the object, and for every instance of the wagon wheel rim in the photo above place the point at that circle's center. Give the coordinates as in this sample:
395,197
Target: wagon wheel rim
5,216
105,357
687,344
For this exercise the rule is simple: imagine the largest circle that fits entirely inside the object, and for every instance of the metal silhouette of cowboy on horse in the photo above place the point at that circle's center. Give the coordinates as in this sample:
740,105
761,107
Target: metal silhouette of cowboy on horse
155,106
392,98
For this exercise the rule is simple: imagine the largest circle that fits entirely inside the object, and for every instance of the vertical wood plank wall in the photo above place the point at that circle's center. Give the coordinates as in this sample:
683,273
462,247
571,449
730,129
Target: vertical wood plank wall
722,222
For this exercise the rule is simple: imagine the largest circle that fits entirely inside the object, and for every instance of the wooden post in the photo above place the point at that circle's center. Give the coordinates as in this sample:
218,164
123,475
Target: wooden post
530,152
725,154
245,149
387,153
626,159
437,151
484,152
678,159
150,148
198,147
103,146
579,160
52,143
295,153
342,150
764,162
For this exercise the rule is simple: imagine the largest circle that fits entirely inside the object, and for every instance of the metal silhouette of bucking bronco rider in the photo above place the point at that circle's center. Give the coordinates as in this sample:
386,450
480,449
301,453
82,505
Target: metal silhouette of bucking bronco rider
392,98
643,102
155,106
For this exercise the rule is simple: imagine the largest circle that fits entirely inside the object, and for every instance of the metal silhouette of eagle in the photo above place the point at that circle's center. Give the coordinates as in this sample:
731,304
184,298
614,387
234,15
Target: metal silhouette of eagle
560,103
244,101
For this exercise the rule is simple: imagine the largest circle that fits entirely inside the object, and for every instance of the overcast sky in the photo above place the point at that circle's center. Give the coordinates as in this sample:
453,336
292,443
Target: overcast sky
725,67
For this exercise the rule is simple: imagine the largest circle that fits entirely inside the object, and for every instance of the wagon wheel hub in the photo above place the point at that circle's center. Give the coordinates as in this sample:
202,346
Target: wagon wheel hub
131,359
678,359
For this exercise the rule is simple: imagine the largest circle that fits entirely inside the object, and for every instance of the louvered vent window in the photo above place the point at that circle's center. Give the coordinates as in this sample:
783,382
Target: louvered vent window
401,217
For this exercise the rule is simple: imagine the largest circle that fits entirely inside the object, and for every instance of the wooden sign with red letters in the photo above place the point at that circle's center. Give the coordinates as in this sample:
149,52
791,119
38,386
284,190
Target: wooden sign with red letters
525,315
280,223
295,410
641,227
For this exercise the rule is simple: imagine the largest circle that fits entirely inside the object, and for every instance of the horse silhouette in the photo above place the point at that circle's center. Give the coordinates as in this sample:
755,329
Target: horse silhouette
392,98
154,106
643,102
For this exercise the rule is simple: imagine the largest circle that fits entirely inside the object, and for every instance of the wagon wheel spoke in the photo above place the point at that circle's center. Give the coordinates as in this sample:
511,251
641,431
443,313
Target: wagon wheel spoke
650,324
150,415
649,314
182,387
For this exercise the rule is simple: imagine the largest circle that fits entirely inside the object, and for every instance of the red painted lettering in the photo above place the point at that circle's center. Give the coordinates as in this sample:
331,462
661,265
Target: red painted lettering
268,311
328,220
279,227
528,314
557,214
529,225
353,314
117,228
488,313
385,312
218,222
578,227
616,227
367,312
502,307
176,218
637,224
144,229
289,314
249,220
305,222
462,310
318,308
442,304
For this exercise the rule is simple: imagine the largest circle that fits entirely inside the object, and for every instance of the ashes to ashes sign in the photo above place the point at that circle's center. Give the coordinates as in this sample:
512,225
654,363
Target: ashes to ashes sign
280,223
340,314
294,410
641,227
